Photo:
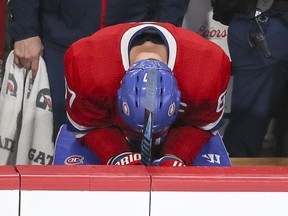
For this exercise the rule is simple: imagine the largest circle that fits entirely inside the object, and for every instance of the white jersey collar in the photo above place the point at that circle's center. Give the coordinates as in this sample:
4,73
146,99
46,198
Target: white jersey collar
128,35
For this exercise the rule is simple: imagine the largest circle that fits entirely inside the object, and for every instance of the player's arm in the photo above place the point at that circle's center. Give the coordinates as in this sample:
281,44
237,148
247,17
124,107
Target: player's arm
185,142
93,125
106,143
199,117
90,114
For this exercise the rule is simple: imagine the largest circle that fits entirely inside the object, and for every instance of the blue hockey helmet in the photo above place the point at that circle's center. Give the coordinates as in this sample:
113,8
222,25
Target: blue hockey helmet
132,98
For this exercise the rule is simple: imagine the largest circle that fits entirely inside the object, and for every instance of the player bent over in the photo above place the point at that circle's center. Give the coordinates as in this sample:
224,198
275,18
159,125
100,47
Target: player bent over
145,93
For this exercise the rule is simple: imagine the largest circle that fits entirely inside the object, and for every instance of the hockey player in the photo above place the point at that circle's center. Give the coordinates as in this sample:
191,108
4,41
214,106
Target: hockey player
106,76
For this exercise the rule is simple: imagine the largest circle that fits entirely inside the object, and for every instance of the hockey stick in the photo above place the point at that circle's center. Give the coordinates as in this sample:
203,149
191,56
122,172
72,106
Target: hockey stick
150,98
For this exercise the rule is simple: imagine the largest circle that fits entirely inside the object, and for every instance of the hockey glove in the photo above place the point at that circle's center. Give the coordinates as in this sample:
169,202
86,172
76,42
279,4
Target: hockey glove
168,160
126,158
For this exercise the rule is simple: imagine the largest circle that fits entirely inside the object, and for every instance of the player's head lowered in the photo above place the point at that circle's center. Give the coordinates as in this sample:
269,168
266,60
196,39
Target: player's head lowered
149,84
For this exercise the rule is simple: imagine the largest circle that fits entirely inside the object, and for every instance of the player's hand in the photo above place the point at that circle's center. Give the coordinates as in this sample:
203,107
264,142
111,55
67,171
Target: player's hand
27,53
168,160
126,158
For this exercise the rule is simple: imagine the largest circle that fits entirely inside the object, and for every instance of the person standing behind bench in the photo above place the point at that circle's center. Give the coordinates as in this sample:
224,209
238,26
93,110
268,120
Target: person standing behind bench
258,45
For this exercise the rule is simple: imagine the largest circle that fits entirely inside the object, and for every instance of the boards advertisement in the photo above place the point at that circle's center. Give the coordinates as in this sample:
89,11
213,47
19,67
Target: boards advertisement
199,19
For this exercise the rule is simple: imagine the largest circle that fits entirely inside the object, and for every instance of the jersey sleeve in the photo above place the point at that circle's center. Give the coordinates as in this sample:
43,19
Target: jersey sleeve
25,19
86,109
93,73
106,143
185,142
200,111
203,74
202,70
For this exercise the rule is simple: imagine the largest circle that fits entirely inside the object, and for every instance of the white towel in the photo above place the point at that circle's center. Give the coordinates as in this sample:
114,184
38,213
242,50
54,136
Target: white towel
26,120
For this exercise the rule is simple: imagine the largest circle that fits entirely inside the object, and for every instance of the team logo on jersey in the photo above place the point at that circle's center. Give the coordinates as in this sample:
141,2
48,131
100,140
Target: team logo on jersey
74,160
171,109
12,86
126,109
43,99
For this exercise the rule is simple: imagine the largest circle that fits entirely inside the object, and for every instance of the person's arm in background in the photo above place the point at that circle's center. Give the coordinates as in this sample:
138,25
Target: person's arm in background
223,10
172,11
24,30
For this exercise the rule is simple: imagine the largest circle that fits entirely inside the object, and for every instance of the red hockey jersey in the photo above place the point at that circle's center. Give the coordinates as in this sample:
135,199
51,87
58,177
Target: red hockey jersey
95,66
